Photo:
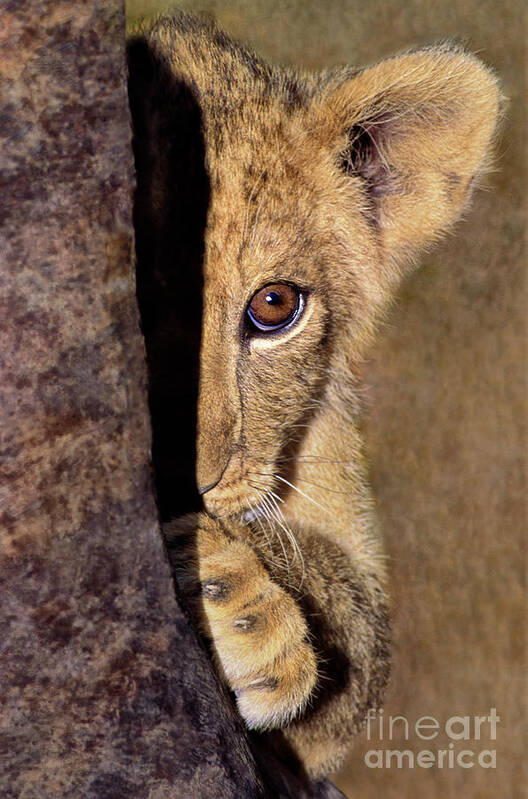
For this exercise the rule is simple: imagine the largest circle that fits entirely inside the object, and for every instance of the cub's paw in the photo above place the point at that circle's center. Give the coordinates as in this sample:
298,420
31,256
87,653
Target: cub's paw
259,636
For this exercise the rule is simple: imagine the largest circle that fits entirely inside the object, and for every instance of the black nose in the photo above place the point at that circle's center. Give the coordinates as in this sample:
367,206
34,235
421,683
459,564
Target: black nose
207,488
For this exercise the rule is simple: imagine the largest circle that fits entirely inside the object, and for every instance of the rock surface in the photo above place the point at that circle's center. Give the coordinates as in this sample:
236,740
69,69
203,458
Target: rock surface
105,691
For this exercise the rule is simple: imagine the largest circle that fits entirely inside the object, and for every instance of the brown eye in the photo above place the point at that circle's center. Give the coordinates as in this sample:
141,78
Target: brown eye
275,306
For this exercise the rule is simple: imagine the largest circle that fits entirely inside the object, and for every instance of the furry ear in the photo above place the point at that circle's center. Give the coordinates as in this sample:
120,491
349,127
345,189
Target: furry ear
414,132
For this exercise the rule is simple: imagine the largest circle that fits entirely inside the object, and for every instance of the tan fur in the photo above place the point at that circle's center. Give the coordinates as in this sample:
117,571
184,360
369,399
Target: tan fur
333,183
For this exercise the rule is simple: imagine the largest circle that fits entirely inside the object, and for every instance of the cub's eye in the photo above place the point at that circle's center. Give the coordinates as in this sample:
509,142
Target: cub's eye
275,306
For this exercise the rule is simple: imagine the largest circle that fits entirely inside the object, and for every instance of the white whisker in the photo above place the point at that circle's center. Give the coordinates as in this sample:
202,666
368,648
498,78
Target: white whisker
324,488
270,518
283,480
256,518
289,532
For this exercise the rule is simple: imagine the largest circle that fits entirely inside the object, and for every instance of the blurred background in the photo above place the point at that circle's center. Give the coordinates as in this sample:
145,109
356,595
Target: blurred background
445,408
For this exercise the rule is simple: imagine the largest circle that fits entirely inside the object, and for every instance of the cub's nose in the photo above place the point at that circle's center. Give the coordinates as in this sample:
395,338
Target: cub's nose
215,440
218,412
212,460
204,489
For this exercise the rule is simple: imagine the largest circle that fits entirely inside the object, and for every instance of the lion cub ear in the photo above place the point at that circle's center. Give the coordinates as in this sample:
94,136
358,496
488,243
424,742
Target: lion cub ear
414,132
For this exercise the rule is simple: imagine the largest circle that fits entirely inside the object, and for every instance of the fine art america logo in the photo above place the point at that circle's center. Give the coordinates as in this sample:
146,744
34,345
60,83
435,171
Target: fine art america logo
467,735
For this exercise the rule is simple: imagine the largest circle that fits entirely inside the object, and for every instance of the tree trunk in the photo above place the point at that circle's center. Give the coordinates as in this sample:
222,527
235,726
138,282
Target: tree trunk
105,690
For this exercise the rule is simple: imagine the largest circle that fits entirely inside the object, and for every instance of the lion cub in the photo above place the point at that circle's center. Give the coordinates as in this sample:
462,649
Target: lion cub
293,204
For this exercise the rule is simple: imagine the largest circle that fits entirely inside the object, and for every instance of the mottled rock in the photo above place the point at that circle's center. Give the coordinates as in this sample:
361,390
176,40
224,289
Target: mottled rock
104,691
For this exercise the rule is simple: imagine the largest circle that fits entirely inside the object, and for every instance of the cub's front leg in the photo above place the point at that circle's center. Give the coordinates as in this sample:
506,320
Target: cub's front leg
259,636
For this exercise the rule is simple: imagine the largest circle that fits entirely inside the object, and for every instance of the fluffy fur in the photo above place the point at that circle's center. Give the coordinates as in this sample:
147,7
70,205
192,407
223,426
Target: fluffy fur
333,182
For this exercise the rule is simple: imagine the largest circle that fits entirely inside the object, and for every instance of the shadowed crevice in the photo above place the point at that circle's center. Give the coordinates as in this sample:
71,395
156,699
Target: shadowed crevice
170,212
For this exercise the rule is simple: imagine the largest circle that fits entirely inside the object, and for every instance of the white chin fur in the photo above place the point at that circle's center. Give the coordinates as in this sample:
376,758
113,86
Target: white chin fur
251,515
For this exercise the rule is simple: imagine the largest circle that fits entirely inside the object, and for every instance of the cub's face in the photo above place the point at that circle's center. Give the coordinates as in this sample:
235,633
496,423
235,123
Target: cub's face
314,209
288,207
284,242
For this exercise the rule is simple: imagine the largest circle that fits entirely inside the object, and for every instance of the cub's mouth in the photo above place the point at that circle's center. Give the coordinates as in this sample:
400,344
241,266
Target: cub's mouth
252,515
248,491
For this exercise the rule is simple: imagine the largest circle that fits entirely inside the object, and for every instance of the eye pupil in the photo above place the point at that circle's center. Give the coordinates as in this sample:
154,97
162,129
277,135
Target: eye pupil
275,306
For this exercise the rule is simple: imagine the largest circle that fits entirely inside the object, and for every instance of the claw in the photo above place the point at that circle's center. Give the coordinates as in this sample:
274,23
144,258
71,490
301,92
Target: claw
216,590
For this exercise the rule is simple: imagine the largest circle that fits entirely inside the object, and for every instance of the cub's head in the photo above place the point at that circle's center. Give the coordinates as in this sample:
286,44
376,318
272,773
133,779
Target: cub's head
316,194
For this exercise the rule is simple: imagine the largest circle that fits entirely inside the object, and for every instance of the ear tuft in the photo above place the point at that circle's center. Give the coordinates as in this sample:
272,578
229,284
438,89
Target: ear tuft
417,130
364,156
